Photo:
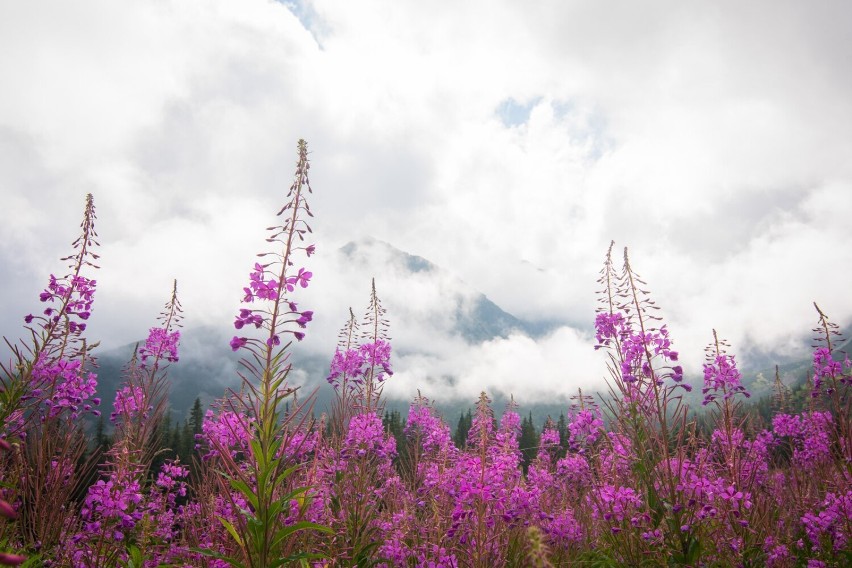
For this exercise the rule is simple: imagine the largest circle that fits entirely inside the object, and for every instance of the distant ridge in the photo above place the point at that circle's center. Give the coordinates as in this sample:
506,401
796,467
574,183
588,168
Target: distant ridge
208,367
477,318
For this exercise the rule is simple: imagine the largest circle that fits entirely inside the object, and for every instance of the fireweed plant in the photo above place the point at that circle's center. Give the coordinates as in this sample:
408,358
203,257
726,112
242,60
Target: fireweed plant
354,481
125,515
256,476
627,480
46,387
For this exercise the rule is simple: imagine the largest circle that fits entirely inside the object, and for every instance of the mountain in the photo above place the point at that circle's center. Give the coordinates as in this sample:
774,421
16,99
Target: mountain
424,301
475,318
434,317
206,370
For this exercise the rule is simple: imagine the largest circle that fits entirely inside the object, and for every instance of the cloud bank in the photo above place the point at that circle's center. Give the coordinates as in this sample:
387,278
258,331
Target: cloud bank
507,143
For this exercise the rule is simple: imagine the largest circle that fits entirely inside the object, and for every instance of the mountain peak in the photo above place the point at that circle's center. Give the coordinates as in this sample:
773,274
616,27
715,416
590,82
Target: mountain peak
369,247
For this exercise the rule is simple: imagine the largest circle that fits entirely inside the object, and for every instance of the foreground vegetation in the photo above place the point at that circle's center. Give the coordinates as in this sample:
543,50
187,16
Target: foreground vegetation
273,486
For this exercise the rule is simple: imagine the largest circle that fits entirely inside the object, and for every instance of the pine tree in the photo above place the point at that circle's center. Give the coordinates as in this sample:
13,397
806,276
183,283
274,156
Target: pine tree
102,441
528,441
394,424
464,424
564,434
196,422
196,417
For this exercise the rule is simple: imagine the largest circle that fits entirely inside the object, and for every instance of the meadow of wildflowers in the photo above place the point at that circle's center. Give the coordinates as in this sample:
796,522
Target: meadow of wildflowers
632,481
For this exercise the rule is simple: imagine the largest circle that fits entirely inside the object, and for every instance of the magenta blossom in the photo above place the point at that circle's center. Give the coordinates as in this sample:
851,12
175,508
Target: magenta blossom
247,317
301,278
304,318
722,377
161,344
258,288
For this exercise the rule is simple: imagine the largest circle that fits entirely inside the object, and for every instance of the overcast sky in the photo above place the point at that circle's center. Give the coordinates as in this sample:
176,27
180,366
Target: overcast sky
507,142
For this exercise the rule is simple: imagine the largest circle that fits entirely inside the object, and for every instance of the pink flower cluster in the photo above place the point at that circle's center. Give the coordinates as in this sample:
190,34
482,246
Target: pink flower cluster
351,366
585,426
722,377
130,404
261,287
828,372
367,436
636,348
226,430
78,295
809,434
160,344
112,504
63,386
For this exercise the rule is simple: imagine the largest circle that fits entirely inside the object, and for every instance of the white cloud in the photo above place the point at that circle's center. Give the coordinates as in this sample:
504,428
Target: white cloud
704,137
534,371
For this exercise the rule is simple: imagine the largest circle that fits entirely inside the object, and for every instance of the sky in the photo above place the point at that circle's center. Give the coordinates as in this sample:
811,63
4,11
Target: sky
506,142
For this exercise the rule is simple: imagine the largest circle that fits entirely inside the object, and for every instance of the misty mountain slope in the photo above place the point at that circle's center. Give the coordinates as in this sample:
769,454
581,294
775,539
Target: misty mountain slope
449,343
457,307
433,316
206,370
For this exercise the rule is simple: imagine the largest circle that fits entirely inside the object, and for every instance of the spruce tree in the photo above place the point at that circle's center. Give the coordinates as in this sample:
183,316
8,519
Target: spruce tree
564,434
528,441
464,424
196,417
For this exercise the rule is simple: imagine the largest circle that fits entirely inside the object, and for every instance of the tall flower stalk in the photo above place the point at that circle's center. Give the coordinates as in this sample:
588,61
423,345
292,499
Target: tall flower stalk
832,382
258,485
49,369
357,482
360,365
46,388
645,378
118,504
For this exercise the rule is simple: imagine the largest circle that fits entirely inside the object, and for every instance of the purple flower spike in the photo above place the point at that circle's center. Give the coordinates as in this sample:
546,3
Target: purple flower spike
161,344
721,377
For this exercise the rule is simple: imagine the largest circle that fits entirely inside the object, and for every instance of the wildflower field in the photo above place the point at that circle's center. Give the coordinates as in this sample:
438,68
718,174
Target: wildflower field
631,479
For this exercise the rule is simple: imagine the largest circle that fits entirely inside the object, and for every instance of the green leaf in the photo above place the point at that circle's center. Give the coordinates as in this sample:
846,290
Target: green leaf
286,531
135,557
245,491
232,530
285,474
